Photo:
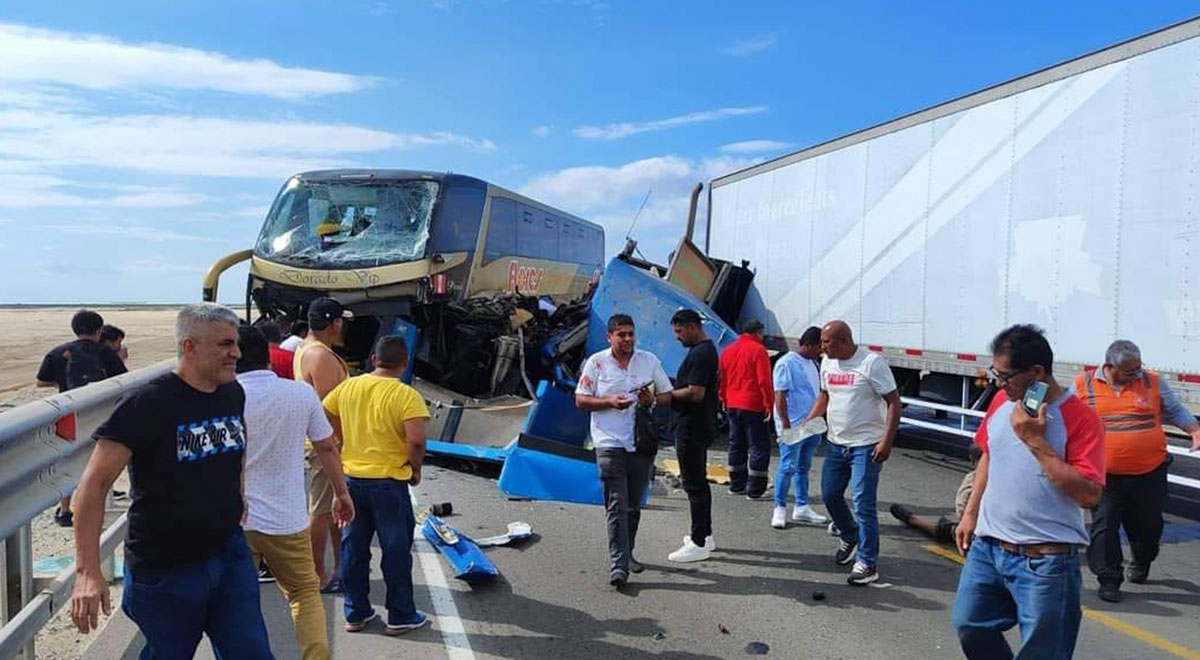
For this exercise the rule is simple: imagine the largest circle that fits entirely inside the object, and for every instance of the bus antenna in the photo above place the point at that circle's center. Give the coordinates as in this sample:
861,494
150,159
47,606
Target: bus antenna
633,224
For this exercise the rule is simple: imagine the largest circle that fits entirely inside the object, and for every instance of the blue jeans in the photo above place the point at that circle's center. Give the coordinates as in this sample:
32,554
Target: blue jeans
218,596
853,467
794,464
381,506
999,589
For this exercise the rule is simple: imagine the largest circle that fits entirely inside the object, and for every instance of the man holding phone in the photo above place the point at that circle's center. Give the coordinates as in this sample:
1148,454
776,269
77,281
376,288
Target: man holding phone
1042,464
611,382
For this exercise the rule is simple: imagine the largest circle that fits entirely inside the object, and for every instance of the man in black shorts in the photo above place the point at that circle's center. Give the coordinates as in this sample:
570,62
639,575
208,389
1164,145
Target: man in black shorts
188,570
694,401
75,364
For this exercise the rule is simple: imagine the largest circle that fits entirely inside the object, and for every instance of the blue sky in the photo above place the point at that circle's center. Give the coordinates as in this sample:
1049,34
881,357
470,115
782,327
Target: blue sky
139,141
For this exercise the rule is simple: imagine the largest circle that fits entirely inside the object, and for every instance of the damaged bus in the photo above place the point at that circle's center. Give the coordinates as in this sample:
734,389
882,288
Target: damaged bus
480,279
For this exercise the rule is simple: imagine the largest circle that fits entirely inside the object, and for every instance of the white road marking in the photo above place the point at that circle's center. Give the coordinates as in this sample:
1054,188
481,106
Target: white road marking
454,634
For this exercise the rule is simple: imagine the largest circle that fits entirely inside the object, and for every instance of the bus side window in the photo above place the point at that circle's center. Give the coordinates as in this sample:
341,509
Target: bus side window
456,227
502,230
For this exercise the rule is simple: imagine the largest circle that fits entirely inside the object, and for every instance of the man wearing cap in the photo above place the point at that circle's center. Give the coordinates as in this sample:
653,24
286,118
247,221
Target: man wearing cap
317,364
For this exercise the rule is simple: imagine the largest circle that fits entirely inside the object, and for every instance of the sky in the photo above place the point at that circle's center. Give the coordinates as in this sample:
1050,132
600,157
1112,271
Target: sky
141,141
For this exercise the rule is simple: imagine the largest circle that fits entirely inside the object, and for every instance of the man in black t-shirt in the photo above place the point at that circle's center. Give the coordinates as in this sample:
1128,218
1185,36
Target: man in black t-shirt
694,401
75,364
188,570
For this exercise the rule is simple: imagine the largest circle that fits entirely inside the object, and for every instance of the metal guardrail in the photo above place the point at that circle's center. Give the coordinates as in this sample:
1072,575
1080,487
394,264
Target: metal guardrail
44,447
961,431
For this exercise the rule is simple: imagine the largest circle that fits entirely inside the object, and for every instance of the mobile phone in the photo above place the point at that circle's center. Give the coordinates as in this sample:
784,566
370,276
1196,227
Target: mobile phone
1035,394
641,387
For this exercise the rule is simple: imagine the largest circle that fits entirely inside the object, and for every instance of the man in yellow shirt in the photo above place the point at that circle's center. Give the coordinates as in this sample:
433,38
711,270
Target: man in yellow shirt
382,425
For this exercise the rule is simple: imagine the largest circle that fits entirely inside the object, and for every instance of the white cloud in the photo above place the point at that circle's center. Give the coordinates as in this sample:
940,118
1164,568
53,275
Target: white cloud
259,212
36,189
134,232
611,195
620,130
754,147
33,56
751,46
542,131
200,146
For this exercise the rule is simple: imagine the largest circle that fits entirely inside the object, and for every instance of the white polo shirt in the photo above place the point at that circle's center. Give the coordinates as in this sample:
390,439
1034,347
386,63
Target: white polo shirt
603,377
857,414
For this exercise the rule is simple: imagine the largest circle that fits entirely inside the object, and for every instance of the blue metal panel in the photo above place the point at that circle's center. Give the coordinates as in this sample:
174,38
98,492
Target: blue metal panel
554,416
539,475
651,301
411,334
482,453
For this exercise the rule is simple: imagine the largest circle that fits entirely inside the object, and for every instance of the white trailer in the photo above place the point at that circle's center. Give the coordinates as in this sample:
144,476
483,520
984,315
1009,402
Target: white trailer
1069,198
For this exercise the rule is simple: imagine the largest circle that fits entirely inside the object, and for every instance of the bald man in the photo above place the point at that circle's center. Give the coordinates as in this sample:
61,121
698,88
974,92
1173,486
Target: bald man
862,408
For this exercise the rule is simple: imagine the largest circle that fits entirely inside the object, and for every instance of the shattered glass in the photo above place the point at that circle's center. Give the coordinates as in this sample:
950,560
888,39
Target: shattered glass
348,224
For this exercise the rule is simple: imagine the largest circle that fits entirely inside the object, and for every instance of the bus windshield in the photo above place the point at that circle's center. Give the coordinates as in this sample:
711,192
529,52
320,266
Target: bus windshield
348,223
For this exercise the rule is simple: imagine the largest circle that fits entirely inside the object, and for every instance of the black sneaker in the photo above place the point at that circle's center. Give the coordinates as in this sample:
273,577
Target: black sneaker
264,573
846,552
64,518
757,496
618,578
737,491
862,575
1110,593
901,513
1137,574
635,566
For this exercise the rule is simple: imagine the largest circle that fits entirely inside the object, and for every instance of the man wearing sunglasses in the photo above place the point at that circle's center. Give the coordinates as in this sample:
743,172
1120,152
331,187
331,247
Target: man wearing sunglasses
1133,403
1024,522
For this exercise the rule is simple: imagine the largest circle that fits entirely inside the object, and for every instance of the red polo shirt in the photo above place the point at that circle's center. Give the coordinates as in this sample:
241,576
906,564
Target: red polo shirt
746,376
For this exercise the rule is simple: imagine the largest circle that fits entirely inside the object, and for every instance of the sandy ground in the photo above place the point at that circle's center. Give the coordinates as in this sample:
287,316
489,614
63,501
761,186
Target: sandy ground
29,333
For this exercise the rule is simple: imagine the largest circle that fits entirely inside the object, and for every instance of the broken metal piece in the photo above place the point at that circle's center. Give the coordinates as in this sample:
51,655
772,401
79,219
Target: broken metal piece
517,531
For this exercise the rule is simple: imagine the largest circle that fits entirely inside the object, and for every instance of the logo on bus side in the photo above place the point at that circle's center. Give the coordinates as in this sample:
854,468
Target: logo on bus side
525,279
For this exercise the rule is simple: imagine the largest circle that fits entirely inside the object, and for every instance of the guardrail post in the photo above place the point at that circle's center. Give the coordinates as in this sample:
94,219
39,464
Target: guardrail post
17,586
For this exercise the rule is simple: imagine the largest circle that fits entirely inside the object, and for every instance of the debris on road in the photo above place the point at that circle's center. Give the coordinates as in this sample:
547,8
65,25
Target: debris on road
717,474
464,555
757,648
818,595
517,531
722,628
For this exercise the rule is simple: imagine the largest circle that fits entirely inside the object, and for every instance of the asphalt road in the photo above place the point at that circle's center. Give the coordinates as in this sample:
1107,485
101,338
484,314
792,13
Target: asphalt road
553,601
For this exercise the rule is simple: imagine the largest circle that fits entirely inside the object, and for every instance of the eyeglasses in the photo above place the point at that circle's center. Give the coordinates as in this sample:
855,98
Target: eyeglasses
1000,376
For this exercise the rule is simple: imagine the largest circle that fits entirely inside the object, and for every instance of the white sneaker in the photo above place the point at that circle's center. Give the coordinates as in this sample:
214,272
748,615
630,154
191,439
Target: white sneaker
832,529
805,514
690,552
779,518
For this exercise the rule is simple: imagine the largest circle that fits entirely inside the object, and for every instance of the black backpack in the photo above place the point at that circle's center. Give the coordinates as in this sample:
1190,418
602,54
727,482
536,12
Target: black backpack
83,365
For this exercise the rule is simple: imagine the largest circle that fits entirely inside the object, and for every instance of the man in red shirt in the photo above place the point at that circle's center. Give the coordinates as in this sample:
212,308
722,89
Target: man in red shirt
747,394
281,358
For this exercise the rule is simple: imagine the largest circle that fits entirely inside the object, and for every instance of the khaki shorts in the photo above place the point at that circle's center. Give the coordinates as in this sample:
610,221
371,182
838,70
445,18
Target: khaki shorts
320,489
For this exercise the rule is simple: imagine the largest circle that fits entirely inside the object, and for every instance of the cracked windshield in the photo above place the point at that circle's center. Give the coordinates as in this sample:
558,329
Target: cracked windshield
344,224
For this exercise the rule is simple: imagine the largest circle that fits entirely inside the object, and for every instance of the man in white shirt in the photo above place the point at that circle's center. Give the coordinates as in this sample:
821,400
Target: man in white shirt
862,408
611,382
279,414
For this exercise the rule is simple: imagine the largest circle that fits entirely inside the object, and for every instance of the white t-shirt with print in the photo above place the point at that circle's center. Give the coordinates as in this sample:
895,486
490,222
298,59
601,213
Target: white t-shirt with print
857,415
279,414
602,376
